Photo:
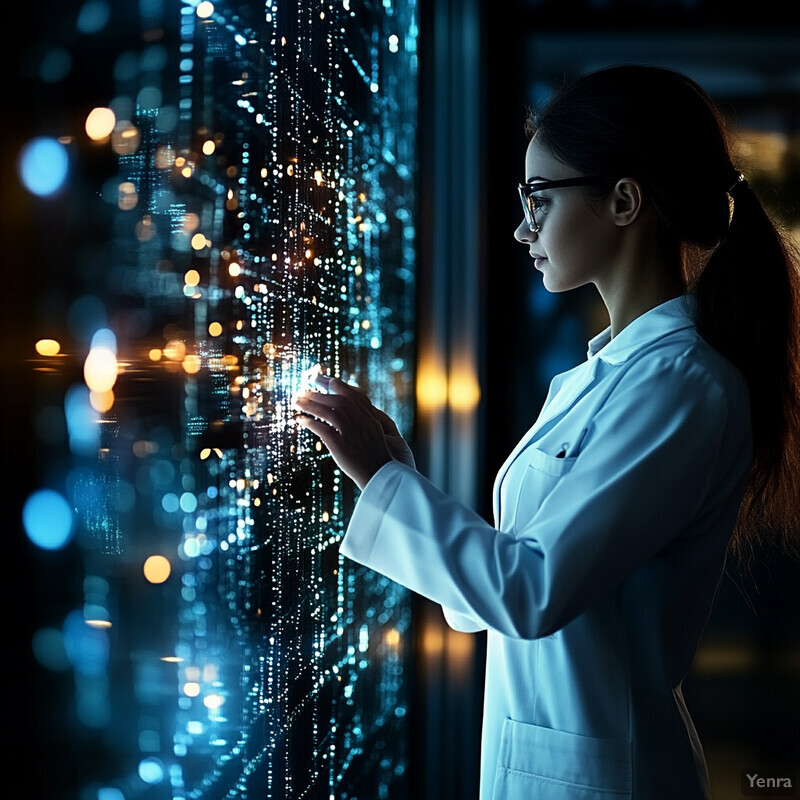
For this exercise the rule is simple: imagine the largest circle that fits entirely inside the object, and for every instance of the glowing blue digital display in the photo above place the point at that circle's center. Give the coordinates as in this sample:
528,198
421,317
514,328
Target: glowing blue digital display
261,211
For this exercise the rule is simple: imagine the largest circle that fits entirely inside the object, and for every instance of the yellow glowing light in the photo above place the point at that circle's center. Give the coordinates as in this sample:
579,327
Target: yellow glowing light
172,659
175,350
125,138
155,354
191,364
392,637
48,347
309,254
100,123
101,401
234,270
199,241
156,569
366,324
209,147
205,9
100,369
192,277
463,392
214,329
191,689
186,172
432,640
98,623
318,177
431,388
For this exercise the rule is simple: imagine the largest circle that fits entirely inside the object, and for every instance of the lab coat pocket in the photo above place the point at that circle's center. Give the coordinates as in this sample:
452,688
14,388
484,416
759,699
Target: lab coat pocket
537,762
541,475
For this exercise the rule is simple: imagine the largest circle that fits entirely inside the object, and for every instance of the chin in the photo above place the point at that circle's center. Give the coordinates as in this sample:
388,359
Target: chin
554,287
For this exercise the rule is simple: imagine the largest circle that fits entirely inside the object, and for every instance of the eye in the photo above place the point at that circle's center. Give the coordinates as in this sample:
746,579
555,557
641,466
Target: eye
539,203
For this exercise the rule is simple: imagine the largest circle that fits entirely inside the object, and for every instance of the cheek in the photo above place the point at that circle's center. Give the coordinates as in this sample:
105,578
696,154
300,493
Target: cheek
577,236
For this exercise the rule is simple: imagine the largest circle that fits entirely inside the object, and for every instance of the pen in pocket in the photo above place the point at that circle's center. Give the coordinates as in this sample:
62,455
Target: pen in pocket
572,451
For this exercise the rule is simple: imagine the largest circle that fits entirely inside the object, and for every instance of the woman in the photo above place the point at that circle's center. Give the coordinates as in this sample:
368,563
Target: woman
674,441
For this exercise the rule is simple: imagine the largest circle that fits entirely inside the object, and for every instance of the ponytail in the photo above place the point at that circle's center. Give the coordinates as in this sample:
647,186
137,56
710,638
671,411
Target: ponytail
748,300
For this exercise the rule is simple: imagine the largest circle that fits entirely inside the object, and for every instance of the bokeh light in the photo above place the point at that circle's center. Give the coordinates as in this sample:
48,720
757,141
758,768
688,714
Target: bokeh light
100,369
48,519
156,569
43,166
100,123
48,347
93,16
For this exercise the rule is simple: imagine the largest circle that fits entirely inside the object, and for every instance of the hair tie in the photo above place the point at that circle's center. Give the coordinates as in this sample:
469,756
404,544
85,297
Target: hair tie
739,185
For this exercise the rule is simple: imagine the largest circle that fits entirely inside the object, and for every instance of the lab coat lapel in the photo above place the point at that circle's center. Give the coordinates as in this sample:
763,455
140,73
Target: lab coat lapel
565,389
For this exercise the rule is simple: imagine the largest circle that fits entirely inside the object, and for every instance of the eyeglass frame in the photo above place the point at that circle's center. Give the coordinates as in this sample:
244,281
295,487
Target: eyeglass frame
527,189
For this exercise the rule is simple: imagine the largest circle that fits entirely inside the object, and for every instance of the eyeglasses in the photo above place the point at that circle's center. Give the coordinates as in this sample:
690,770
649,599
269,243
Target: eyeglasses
530,201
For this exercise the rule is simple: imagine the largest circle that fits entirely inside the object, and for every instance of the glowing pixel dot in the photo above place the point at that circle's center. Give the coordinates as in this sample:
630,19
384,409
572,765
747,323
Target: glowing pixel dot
205,9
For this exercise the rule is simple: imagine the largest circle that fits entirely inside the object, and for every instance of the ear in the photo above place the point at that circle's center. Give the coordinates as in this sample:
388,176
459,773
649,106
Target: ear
626,201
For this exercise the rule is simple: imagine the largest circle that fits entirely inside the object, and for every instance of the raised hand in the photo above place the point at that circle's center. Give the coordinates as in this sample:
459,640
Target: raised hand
360,437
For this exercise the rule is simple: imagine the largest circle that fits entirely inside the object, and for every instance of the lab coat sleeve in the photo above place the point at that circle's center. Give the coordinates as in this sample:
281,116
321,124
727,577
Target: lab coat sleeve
647,464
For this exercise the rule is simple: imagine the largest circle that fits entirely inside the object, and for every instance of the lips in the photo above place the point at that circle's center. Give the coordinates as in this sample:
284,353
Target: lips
538,260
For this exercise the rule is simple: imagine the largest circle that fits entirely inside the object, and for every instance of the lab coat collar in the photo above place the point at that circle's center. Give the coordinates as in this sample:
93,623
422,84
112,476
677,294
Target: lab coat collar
674,315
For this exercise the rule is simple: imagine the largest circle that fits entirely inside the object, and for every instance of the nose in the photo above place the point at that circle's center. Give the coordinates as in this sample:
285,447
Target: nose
524,234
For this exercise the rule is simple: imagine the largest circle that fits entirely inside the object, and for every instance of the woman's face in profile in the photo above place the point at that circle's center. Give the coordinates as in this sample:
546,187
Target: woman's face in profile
575,243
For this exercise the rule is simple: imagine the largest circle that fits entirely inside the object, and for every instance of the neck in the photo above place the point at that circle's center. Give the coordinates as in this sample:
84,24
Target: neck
642,279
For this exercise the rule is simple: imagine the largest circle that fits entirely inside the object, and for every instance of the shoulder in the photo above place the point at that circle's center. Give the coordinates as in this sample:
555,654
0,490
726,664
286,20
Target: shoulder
683,368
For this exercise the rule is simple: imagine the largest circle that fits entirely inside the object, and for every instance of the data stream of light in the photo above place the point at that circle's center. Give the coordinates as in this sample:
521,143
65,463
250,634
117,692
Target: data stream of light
262,230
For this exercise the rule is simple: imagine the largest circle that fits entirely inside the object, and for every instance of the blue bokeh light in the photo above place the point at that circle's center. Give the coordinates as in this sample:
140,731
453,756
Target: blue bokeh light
48,519
43,166
93,16
87,647
151,770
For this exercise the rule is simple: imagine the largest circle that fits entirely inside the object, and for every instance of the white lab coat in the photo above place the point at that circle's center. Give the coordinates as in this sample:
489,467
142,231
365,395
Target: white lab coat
612,519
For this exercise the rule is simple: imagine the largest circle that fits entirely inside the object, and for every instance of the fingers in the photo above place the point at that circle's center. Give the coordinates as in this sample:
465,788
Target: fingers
339,387
321,406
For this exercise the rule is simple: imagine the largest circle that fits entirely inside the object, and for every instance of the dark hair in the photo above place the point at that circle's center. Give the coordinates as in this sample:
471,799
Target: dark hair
660,127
